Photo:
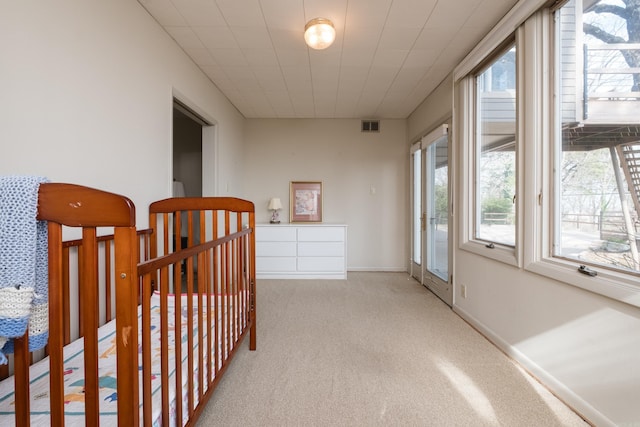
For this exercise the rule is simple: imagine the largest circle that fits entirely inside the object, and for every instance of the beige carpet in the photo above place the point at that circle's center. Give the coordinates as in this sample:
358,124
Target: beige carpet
377,349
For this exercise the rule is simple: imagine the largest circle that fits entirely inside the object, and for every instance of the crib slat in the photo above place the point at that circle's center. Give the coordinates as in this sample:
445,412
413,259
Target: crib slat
153,237
228,273
216,317
127,327
223,308
243,282
189,290
107,281
89,286
146,349
166,233
236,279
190,365
199,293
58,320
211,312
64,286
164,343
178,338
216,291
227,298
81,296
21,358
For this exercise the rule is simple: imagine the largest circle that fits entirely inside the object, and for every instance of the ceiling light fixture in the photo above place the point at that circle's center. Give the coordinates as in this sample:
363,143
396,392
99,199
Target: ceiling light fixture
319,33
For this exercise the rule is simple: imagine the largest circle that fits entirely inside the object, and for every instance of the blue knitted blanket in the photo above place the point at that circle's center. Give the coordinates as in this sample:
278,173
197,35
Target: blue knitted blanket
23,265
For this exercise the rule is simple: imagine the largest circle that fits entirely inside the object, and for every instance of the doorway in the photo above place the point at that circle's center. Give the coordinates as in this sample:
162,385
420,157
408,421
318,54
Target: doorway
430,246
187,151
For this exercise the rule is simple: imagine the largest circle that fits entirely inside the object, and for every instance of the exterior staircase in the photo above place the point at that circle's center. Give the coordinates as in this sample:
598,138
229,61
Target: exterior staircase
629,155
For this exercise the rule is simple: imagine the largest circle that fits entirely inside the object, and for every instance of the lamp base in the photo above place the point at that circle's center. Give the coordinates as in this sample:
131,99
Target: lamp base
275,217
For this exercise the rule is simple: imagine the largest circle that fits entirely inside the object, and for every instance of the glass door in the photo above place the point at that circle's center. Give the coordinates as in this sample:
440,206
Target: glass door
430,213
436,244
417,216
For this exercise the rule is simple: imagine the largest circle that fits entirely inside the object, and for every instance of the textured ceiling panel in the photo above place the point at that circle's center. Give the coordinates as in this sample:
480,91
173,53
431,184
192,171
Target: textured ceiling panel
388,54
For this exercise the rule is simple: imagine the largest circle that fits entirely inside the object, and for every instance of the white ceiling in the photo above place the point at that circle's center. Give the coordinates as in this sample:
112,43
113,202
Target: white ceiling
387,57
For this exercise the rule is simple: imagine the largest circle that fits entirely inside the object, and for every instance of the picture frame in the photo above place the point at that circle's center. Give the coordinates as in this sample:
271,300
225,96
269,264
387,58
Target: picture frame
305,201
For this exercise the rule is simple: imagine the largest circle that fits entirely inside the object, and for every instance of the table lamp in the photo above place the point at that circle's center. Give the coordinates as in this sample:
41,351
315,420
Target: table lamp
275,205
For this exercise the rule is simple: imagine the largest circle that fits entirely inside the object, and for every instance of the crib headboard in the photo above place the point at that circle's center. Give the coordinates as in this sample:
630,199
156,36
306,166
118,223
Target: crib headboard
87,208
78,206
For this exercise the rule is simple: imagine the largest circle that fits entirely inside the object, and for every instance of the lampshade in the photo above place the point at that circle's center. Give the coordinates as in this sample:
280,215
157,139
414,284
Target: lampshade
319,33
274,204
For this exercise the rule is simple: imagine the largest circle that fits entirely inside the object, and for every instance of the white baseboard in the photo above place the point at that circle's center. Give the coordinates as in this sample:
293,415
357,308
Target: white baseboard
561,391
379,269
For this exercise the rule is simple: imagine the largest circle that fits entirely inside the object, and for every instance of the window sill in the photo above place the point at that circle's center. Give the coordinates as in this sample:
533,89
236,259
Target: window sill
615,285
500,253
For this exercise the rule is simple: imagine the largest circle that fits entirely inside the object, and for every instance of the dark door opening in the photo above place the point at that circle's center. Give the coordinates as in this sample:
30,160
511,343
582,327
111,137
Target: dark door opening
187,151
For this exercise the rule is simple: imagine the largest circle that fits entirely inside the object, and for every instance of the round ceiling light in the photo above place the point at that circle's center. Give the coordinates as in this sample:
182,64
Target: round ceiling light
319,33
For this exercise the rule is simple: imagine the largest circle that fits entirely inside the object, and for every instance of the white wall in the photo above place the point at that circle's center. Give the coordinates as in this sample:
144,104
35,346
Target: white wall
349,164
433,111
582,345
87,92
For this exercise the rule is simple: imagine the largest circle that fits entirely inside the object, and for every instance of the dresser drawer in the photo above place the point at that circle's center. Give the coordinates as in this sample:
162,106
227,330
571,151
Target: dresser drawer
284,249
321,264
321,249
321,234
275,234
276,264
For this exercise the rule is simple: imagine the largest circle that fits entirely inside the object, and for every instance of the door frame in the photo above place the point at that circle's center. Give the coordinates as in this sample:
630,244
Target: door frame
441,288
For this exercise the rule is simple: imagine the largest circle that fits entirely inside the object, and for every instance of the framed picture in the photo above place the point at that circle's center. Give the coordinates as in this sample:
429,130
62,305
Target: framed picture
306,201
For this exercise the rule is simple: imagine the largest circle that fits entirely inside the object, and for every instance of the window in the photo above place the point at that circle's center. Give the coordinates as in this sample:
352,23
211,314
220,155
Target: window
495,151
597,134
553,114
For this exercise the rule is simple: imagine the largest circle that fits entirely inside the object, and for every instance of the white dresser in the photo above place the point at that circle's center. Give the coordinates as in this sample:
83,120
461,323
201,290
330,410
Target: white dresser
301,251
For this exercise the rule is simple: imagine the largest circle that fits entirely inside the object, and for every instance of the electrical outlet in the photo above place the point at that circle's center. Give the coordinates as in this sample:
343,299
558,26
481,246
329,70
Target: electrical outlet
463,291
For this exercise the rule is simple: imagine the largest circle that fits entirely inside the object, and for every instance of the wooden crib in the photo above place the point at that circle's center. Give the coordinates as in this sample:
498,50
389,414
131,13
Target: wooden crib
186,285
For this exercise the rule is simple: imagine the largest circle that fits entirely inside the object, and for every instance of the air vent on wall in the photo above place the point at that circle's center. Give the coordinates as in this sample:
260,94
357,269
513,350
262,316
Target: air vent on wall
371,126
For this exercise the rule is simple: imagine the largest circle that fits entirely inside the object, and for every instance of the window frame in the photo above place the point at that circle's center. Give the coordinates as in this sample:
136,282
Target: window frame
490,61
464,127
465,92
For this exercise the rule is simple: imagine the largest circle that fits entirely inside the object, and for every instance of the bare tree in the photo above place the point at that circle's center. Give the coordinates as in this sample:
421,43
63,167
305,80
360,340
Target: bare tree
631,15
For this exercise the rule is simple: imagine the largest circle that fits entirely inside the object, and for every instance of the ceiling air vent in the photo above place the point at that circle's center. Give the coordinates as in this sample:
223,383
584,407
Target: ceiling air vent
371,126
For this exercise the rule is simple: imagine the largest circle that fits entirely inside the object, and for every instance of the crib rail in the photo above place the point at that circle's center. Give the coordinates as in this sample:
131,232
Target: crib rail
206,255
71,271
